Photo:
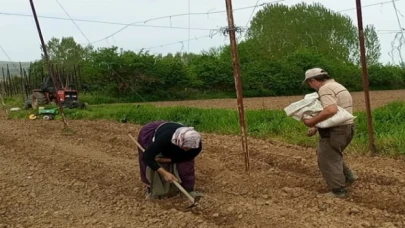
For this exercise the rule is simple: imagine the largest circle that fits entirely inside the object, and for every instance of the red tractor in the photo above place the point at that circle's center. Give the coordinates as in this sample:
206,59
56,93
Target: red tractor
46,94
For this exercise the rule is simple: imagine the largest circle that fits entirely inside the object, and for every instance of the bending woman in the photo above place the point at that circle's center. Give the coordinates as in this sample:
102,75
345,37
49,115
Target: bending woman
170,149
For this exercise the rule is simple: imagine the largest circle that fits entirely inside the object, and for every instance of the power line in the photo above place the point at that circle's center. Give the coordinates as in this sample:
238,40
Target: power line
209,12
401,33
5,53
185,28
179,15
169,16
8,57
251,15
384,32
73,21
189,24
103,22
177,42
137,24
365,6
133,23
88,40
223,11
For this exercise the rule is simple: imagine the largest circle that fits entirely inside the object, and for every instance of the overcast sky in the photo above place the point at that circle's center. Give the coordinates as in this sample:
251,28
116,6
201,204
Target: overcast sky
19,37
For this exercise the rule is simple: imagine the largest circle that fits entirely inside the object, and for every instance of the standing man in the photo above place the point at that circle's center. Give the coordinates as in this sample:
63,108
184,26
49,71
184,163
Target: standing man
333,140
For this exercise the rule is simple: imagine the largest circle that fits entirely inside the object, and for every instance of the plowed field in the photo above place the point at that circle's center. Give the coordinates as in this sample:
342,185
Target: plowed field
90,179
377,99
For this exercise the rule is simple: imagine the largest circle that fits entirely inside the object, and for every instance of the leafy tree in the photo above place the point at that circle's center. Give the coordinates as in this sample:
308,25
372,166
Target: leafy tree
211,73
278,30
385,77
64,51
99,69
372,43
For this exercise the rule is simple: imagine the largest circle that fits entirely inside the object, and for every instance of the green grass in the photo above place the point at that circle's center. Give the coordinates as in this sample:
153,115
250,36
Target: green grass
16,101
99,98
389,128
389,123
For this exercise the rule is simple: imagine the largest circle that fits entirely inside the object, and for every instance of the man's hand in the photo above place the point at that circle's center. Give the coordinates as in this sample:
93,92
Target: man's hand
326,113
312,131
309,122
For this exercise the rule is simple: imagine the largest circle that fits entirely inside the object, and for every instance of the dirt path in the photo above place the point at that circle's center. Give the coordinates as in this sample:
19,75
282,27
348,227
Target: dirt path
377,99
90,179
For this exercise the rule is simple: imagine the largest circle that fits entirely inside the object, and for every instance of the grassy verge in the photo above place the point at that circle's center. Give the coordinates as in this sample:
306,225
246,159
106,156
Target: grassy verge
389,123
15,101
102,98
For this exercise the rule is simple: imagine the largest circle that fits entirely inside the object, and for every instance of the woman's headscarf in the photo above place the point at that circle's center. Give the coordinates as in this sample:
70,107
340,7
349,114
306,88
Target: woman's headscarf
186,137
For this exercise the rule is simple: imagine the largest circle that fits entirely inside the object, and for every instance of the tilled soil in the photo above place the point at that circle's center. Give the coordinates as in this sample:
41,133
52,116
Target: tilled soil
89,177
377,99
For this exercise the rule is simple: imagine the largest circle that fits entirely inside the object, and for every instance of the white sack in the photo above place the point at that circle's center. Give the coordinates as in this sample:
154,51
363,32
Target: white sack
310,106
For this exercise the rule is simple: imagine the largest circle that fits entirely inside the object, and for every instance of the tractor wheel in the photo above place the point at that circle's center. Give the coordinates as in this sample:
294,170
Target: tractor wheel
48,117
38,98
28,103
84,105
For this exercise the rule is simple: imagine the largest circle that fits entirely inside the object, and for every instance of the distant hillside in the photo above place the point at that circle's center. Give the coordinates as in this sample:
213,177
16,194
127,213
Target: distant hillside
14,67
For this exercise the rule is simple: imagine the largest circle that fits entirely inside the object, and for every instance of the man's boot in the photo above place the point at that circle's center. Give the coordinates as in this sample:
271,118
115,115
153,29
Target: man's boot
350,176
337,193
